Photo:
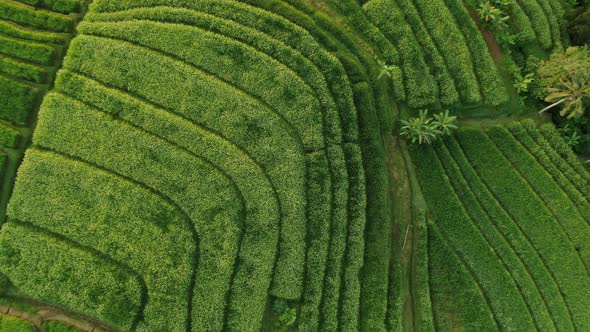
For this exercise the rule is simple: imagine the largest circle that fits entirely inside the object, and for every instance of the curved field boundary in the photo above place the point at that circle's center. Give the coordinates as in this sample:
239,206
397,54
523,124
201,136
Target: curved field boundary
39,231
71,159
320,66
471,272
516,236
530,216
340,159
527,141
231,232
504,249
544,187
503,291
337,162
150,97
138,114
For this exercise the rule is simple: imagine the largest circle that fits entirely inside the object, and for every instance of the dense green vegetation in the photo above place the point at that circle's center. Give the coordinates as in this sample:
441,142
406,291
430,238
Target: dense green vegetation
502,191
11,324
283,150
279,165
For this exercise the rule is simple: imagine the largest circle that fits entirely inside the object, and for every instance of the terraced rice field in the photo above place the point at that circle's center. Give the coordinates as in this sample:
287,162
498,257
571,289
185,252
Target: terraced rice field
190,164
219,157
33,39
510,228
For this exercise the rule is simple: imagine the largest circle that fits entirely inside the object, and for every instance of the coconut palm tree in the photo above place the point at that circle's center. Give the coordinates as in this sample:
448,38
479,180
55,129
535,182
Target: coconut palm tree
566,78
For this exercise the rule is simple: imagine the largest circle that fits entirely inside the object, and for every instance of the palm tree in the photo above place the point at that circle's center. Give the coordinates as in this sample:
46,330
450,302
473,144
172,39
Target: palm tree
566,78
420,129
571,94
444,122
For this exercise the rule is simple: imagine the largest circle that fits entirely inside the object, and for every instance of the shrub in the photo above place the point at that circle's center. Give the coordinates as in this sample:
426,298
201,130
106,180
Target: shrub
12,30
8,136
34,52
22,70
539,22
16,100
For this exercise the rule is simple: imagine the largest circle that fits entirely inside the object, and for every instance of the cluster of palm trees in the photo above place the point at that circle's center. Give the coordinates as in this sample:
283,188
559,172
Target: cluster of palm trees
425,130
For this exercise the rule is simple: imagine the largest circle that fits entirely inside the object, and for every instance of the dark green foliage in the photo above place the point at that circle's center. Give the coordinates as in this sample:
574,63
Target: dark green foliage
520,23
287,314
578,26
539,22
39,19
33,52
16,100
13,30
22,70
8,136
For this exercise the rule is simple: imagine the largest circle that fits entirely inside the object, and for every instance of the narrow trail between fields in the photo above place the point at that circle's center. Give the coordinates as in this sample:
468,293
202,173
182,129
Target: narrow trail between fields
488,36
46,314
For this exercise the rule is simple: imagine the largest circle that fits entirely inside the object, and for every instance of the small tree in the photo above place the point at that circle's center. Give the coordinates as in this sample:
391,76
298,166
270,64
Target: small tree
444,122
492,16
565,79
391,71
